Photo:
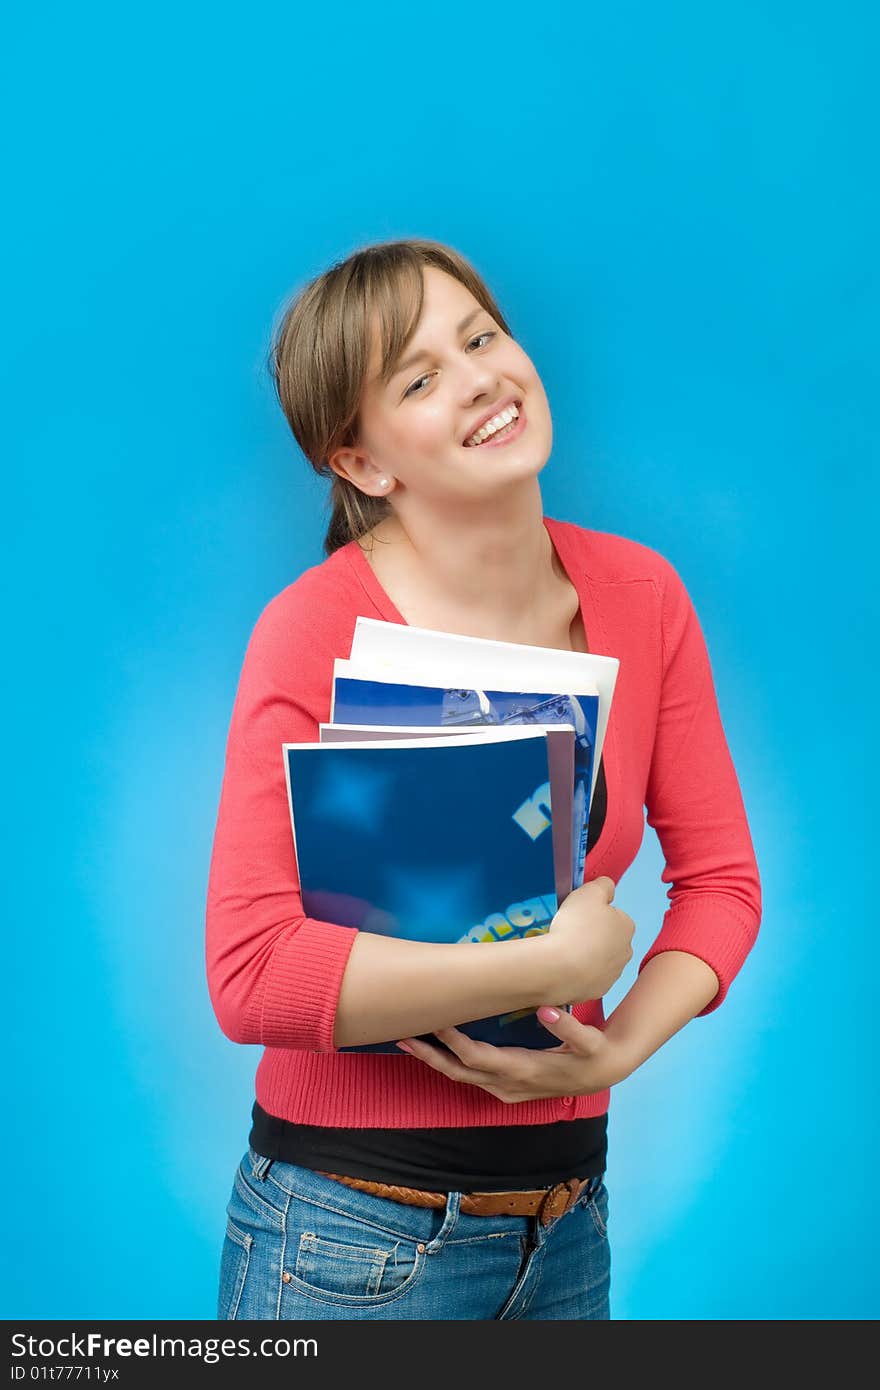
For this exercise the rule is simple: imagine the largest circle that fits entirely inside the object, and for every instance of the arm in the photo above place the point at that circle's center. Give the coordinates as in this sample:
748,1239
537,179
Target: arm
671,989
392,988
695,805
273,972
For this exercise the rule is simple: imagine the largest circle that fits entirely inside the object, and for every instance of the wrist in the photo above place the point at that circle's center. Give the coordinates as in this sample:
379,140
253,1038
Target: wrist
549,975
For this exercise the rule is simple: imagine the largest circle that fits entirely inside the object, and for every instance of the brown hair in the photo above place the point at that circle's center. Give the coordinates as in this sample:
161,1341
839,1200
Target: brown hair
320,353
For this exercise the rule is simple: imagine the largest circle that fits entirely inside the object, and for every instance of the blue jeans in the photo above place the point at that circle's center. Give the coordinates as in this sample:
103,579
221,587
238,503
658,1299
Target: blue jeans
301,1246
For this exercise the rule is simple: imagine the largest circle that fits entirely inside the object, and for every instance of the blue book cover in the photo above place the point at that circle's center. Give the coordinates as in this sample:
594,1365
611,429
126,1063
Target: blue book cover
357,701
560,758
446,841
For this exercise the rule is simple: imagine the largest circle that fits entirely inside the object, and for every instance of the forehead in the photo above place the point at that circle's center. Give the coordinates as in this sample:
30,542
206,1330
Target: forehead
445,302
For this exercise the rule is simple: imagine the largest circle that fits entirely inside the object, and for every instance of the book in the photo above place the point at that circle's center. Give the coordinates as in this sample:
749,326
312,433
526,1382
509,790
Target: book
560,759
356,699
416,654
446,837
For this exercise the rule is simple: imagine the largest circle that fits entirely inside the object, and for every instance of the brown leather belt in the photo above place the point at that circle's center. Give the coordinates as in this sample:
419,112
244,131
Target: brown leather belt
545,1202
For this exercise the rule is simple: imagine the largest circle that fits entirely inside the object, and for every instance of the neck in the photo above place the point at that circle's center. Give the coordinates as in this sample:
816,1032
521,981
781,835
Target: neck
497,562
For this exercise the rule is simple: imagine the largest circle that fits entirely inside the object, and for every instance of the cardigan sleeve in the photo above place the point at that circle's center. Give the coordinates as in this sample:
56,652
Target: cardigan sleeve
694,803
274,974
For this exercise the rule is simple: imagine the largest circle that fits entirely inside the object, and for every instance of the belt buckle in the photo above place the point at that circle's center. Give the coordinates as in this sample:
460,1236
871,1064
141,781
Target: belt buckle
559,1200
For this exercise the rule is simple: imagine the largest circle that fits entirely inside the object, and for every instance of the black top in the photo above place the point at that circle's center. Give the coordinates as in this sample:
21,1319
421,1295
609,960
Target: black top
489,1158
472,1158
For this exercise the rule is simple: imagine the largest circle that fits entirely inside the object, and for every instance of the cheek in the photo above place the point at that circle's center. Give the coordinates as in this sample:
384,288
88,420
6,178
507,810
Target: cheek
535,392
429,433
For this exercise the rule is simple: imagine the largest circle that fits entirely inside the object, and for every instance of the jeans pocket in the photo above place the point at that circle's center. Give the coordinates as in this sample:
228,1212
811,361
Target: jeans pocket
341,1270
339,1252
233,1270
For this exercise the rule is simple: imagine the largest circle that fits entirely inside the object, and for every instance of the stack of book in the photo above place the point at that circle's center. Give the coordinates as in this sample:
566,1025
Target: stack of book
449,796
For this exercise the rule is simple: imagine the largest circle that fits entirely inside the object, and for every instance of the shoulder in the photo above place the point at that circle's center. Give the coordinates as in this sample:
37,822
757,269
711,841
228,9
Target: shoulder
612,559
307,615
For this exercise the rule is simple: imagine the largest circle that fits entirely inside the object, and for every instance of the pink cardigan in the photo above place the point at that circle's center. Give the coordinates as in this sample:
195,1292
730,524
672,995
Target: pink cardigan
274,975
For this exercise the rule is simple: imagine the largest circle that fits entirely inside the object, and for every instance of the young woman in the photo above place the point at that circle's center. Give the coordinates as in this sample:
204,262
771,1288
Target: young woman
463,1181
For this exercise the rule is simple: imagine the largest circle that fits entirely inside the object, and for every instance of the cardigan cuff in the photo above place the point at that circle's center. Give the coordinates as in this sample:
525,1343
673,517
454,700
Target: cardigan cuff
710,926
302,984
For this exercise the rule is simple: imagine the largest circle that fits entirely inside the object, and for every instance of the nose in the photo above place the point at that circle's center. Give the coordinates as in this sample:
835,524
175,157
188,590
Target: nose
481,386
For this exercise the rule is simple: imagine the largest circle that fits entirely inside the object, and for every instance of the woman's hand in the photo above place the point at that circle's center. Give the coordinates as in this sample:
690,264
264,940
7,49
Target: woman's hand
586,1061
590,942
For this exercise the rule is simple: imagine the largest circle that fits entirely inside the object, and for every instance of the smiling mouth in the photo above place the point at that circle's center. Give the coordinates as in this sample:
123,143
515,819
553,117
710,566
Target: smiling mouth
511,430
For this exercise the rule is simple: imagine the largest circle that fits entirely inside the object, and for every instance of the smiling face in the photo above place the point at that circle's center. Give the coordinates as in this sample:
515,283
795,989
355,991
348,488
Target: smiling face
459,367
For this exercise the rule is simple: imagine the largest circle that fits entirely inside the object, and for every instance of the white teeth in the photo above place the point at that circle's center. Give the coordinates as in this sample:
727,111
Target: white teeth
493,426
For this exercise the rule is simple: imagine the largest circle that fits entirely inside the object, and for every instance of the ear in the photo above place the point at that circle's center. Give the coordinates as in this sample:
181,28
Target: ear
356,466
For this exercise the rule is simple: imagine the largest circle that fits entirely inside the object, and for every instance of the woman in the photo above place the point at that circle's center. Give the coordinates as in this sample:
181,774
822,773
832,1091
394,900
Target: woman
462,1180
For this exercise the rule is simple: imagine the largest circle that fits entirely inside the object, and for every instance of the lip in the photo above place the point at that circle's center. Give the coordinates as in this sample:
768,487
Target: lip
495,443
490,415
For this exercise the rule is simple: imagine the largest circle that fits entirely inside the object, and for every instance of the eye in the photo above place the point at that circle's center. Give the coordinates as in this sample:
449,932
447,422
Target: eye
412,389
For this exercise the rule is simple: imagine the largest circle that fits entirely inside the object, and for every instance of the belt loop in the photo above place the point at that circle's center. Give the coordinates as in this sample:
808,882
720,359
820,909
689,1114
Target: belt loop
450,1220
261,1166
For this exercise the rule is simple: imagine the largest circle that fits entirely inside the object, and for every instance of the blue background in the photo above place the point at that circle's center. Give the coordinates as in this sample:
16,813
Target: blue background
676,209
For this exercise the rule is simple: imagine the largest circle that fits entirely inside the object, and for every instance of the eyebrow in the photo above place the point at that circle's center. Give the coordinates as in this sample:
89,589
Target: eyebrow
417,356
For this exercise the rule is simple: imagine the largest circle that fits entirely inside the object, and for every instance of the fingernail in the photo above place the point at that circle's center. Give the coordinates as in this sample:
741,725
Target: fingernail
548,1015
405,1048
